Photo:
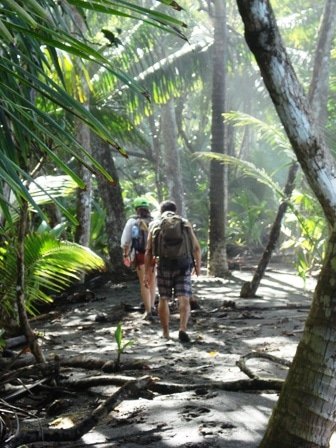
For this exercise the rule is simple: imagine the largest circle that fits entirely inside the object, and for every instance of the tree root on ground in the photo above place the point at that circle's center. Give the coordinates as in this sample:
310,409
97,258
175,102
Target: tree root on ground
129,388
91,363
127,391
79,362
241,363
165,388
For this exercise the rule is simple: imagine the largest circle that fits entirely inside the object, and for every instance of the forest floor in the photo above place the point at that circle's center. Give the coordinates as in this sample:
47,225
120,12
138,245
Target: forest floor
223,329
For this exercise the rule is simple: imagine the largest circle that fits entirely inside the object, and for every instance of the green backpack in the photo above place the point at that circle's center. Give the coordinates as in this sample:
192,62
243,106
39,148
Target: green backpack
172,243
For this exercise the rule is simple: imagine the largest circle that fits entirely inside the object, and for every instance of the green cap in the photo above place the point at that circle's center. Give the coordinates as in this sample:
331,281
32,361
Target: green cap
141,202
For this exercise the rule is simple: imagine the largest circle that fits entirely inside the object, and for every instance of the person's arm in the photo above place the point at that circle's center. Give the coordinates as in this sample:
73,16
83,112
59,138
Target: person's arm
126,241
196,252
149,266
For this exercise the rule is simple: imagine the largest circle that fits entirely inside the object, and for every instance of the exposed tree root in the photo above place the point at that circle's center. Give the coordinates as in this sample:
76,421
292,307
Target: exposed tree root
79,362
127,391
130,387
171,388
241,363
91,363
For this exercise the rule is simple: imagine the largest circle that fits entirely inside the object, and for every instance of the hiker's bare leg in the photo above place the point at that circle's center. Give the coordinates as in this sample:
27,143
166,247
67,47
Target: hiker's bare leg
184,309
145,292
152,289
164,316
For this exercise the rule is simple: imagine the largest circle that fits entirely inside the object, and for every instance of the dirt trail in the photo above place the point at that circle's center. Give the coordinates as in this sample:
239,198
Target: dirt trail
222,329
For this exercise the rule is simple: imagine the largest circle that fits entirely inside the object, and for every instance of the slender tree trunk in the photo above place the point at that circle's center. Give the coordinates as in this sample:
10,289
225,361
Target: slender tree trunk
84,196
82,131
319,86
217,258
172,165
20,287
305,413
157,156
249,289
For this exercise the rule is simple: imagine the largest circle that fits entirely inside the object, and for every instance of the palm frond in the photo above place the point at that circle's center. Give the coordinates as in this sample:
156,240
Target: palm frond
50,266
247,168
45,190
131,10
272,134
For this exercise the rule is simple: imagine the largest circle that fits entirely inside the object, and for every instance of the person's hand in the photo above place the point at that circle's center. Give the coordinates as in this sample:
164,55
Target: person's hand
196,270
127,261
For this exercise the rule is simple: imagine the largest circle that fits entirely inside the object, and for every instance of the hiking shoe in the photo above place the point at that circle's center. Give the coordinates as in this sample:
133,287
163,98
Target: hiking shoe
183,336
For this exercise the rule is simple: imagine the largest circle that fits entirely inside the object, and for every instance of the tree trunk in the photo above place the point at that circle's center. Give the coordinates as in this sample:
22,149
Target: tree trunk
249,289
112,202
20,287
155,133
305,413
172,166
217,258
84,197
82,132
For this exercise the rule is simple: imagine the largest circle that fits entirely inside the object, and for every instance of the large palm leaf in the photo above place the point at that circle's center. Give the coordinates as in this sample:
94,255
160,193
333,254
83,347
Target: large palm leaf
45,190
50,266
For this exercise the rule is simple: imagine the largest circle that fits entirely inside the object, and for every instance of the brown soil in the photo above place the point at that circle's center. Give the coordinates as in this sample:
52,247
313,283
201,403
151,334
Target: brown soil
222,328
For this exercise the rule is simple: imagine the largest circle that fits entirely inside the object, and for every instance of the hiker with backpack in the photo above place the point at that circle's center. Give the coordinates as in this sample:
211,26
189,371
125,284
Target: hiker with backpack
133,243
173,245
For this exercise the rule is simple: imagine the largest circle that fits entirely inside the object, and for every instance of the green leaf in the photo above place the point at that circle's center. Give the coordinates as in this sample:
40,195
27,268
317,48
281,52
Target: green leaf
5,33
118,334
50,265
248,168
22,13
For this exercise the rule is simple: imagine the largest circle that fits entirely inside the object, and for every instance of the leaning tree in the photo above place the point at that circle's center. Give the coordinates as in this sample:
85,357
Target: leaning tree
305,413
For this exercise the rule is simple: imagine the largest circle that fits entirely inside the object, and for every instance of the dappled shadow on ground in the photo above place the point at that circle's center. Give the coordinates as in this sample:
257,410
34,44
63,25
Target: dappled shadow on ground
223,328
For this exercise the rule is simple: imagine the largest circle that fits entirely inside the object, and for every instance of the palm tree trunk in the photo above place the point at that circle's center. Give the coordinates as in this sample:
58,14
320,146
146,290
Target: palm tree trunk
84,196
217,257
319,86
20,288
305,413
172,165
157,156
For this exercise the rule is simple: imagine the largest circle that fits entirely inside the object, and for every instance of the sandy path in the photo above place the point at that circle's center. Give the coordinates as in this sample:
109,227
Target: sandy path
222,329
